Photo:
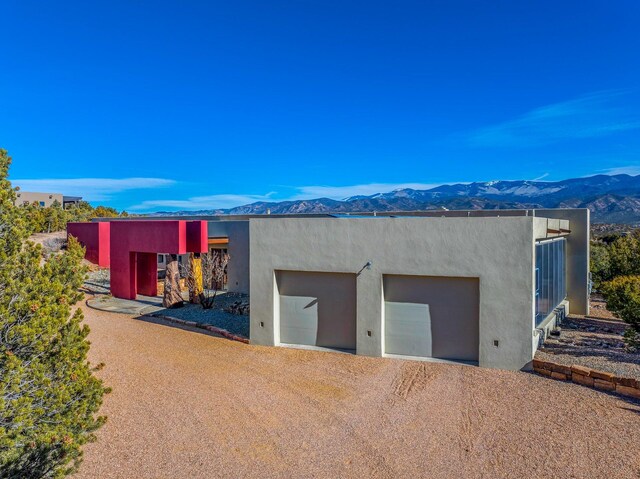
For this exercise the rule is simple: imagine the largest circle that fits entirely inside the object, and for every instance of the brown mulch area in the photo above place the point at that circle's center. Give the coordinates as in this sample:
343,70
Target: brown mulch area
595,341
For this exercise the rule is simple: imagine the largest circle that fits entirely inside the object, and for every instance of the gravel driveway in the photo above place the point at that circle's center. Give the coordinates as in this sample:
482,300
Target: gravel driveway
185,404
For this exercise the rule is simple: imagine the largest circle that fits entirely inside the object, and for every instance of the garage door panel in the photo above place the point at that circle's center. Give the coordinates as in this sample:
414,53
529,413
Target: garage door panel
409,329
317,309
453,321
298,319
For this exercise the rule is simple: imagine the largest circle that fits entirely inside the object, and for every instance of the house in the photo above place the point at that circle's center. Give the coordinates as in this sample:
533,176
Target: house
481,287
45,199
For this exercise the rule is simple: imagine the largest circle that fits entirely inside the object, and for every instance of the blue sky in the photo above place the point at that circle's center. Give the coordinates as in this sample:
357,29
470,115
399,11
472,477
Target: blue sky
189,105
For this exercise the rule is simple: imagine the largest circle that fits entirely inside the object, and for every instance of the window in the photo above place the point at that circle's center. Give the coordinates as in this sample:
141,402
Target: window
551,287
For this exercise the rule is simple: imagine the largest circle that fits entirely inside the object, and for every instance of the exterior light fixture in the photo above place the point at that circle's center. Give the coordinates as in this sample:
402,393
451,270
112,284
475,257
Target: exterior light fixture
366,266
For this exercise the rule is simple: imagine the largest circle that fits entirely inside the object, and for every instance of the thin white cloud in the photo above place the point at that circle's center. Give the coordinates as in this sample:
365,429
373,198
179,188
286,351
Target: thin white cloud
212,202
595,115
541,177
341,192
632,170
226,201
91,189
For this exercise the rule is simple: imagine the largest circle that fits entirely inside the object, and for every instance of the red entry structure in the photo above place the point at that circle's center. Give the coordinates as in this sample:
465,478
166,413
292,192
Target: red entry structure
95,238
134,252
131,249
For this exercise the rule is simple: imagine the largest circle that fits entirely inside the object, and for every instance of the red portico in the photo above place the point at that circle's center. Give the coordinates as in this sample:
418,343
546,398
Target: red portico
134,252
133,249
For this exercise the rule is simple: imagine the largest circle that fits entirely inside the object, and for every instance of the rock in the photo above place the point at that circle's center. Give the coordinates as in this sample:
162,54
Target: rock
581,379
172,297
580,370
604,385
628,391
602,375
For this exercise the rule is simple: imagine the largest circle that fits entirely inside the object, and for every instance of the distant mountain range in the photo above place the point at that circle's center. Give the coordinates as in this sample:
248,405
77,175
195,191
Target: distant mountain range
611,199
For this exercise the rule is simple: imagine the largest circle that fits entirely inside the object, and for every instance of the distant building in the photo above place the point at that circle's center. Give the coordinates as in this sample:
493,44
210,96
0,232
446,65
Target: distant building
45,199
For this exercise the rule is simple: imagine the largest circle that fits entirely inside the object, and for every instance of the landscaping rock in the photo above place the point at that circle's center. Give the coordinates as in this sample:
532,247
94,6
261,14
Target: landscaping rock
604,385
627,391
581,379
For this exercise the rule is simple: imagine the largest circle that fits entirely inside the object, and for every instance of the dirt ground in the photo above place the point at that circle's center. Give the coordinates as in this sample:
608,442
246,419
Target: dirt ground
185,404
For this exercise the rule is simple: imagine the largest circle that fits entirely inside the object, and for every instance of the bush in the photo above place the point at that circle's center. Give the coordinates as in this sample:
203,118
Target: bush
623,298
624,256
600,264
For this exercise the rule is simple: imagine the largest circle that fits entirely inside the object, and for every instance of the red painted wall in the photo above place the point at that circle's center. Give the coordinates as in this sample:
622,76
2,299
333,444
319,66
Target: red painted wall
95,237
134,245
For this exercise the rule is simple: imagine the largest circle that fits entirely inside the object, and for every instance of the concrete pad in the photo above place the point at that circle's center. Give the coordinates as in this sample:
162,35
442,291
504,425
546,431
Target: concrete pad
137,307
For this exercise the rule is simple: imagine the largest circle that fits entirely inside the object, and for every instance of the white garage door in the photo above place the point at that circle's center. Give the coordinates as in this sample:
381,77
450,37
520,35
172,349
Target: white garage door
317,309
432,316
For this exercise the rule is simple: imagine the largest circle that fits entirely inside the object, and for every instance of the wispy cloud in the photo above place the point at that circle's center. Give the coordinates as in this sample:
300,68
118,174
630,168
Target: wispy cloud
225,201
632,170
341,192
201,202
541,177
595,115
91,189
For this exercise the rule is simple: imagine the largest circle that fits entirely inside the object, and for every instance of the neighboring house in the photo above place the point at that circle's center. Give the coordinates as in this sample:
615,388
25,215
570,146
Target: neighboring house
482,287
45,199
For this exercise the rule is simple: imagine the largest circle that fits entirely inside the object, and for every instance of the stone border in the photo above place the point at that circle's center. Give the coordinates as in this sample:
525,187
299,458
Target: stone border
588,377
208,327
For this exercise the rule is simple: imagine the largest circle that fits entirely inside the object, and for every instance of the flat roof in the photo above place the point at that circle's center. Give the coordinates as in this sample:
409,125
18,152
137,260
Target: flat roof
358,214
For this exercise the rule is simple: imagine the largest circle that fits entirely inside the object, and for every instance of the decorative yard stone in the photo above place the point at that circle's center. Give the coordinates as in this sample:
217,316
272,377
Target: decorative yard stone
602,375
628,382
604,385
172,296
559,368
627,391
541,364
194,280
581,370
581,379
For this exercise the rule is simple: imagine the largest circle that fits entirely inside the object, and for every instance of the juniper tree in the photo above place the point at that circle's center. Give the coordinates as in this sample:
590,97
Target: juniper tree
49,396
623,298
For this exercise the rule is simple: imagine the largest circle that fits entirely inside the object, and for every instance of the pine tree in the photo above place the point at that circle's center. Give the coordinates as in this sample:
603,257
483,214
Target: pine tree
49,396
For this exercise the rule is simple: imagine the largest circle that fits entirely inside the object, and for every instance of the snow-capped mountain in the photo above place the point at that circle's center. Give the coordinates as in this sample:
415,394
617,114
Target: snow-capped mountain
611,198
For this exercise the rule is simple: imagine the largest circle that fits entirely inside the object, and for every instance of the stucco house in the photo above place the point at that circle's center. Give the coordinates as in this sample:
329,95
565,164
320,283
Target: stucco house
24,198
480,287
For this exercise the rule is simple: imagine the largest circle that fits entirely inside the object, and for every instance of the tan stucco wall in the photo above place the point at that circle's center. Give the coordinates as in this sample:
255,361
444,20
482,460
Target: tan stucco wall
30,197
497,251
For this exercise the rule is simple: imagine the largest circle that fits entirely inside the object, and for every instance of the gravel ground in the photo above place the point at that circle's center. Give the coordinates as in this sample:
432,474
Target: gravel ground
97,282
594,341
235,324
186,404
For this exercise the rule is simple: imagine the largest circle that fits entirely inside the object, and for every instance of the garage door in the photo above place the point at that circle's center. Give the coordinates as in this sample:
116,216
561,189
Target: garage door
432,316
317,309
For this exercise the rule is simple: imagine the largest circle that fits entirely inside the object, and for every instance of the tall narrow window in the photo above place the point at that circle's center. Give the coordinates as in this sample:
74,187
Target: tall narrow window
550,276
